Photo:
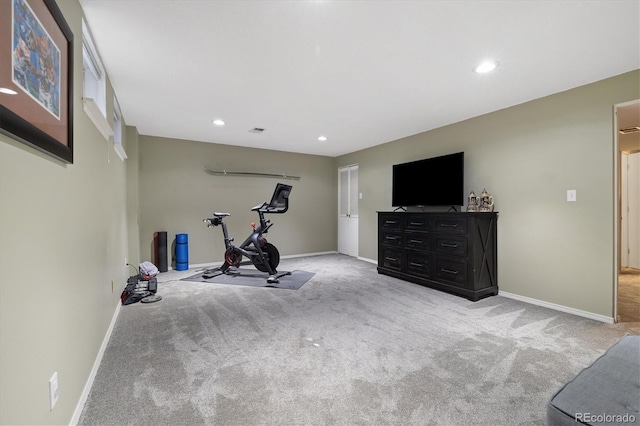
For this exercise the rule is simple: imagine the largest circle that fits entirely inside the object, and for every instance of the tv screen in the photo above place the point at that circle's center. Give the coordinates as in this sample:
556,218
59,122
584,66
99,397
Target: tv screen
437,181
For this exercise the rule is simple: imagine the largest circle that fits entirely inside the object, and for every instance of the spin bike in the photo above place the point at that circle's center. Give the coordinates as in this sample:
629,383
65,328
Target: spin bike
264,255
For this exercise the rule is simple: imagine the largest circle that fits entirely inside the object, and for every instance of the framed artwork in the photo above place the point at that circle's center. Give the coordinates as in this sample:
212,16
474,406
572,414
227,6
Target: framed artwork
36,76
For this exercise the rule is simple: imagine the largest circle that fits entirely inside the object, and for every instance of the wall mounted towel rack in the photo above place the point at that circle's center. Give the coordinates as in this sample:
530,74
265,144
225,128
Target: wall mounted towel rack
253,174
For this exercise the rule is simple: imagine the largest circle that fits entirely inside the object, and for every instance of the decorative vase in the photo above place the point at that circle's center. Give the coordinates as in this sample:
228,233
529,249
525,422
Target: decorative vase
486,202
472,203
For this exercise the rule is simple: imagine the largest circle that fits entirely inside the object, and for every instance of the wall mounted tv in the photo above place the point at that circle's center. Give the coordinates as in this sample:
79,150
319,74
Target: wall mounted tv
437,181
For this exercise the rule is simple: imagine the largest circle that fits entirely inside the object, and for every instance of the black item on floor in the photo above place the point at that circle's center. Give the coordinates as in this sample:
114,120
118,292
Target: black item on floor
128,297
160,242
152,286
138,289
254,279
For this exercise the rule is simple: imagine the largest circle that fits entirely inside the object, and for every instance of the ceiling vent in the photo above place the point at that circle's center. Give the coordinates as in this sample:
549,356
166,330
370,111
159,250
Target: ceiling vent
629,130
256,130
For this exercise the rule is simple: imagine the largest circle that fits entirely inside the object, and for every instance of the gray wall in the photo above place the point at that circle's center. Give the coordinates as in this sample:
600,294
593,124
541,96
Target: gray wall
65,230
63,240
176,194
133,204
528,156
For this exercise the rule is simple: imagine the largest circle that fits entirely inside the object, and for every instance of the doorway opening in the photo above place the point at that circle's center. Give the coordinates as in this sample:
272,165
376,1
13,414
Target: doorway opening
627,294
348,210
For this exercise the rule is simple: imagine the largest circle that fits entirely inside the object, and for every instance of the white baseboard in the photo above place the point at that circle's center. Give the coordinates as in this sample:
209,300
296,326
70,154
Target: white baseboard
320,253
289,256
203,265
561,308
94,370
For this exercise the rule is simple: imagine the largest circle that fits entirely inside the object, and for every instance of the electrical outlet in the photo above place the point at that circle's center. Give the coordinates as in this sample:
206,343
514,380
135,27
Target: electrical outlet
125,262
53,390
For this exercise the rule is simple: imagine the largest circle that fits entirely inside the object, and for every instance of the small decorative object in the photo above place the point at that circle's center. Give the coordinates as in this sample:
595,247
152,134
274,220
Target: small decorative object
472,205
486,202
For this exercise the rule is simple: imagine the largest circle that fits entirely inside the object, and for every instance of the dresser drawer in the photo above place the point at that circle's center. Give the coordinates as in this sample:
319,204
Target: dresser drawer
445,244
391,238
392,258
391,221
452,270
419,264
418,223
450,225
418,241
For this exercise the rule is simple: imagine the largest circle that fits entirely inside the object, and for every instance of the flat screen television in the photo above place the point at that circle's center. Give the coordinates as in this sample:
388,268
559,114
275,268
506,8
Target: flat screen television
437,181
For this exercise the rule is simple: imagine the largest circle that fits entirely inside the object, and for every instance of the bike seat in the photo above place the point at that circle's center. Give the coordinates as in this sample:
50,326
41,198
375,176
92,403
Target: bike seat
218,214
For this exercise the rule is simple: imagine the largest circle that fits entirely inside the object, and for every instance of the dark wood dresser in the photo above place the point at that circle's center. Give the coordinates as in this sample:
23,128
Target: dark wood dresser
452,252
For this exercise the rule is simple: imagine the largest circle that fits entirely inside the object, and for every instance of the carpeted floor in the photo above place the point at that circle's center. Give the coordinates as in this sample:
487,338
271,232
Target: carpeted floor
351,347
629,295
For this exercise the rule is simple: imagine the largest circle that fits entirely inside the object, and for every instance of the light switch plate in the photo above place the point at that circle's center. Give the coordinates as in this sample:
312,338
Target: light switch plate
571,195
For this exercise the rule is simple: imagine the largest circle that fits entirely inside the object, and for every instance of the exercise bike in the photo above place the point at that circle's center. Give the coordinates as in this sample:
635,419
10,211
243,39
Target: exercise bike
262,254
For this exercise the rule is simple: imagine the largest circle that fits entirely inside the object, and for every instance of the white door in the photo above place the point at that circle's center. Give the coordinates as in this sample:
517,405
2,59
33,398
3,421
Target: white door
630,241
348,210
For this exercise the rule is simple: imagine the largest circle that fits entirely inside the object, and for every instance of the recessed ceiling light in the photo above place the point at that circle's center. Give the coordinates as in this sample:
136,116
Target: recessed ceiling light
486,66
7,91
322,138
219,122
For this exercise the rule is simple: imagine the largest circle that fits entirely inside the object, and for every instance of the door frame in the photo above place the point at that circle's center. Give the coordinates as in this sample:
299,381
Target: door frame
348,167
617,200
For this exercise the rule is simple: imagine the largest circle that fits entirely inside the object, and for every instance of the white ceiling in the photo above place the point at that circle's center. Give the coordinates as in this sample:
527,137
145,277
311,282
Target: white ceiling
360,72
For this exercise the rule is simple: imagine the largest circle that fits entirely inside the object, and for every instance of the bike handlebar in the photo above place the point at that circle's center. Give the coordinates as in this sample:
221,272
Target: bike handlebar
212,221
259,207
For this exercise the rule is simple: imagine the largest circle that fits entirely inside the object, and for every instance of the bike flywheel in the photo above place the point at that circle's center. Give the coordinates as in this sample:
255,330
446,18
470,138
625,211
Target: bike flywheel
232,256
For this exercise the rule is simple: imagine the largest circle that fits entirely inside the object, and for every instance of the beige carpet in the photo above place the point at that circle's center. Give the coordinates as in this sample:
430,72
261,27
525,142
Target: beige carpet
629,295
351,347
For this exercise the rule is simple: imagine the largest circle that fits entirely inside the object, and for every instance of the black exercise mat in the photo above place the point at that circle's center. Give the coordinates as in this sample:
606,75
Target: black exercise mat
254,278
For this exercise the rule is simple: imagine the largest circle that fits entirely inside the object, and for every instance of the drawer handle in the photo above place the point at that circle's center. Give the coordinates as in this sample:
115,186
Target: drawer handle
391,259
390,222
419,265
391,237
416,223
448,245
449,271
416,241
449,225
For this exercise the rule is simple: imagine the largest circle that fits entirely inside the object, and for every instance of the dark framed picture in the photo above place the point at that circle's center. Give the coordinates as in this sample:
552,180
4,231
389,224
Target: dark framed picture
36,76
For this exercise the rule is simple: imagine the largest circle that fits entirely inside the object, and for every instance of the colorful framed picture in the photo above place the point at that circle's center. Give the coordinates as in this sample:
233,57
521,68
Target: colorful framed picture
36,76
